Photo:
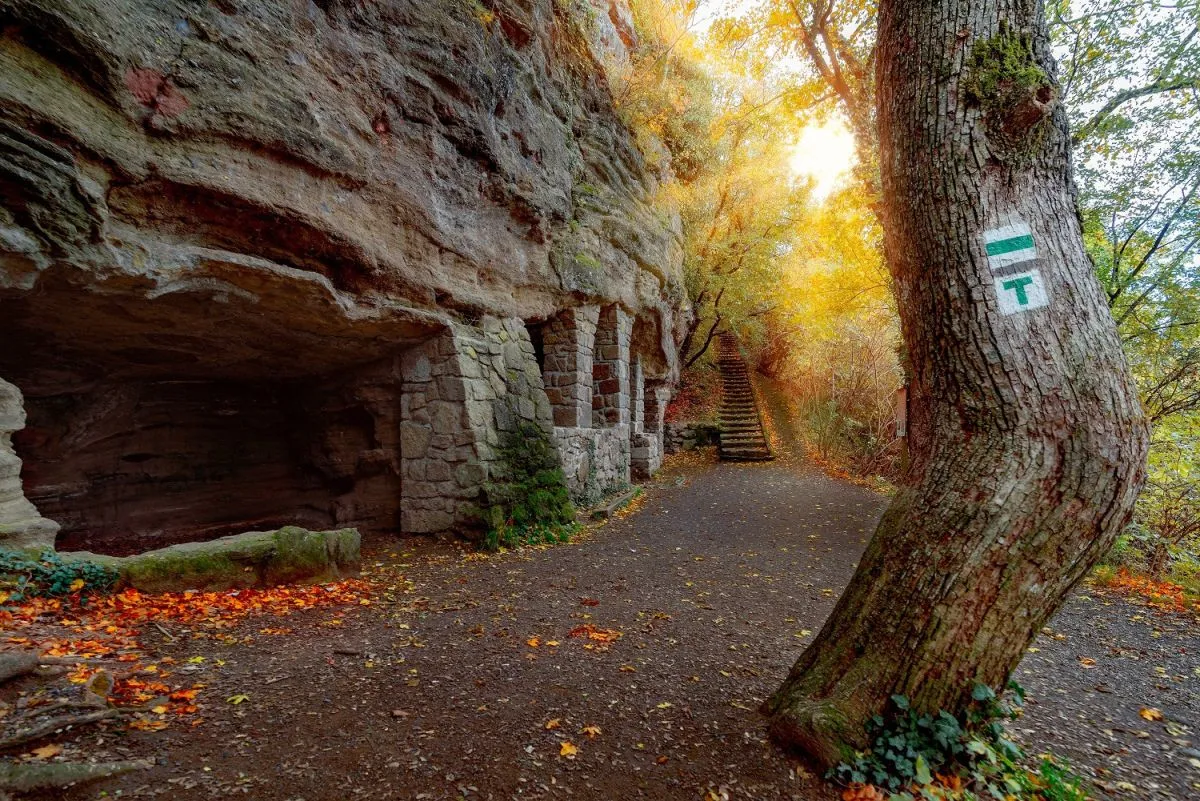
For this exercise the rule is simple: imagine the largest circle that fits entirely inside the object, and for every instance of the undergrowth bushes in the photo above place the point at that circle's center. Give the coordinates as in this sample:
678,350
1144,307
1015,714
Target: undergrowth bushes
526,501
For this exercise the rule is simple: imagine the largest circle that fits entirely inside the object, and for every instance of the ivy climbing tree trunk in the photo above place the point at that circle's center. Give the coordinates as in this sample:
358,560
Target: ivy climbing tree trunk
1033,442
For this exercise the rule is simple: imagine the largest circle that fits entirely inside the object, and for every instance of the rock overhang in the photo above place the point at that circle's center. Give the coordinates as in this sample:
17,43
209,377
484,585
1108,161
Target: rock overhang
273,201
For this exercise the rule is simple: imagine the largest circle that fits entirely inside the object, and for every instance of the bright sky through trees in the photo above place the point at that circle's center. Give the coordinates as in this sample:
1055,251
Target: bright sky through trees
824,152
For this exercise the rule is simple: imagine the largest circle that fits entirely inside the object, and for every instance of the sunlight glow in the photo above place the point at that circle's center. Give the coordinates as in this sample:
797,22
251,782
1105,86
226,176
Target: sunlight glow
825,153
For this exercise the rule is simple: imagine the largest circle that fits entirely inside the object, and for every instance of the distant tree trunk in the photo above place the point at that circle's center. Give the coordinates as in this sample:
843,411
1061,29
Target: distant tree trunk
1035,442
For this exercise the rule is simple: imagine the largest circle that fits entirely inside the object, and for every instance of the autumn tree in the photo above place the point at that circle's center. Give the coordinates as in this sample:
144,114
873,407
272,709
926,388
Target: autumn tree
1035,441
729,131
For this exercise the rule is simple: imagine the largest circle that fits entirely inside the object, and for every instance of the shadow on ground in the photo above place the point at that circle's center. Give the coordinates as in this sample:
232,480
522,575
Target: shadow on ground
464,680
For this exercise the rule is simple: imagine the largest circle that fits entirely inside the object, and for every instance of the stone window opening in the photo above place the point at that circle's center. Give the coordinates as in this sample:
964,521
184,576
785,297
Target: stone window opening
537,337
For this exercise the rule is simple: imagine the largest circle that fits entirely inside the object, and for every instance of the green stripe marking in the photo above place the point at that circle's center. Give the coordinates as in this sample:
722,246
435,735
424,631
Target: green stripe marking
1003,246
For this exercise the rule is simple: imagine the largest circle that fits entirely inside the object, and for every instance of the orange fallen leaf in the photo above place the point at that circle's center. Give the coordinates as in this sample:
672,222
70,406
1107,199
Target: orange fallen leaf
533,642
1087,662
553,723
142,724
1150,713
591,731
568,749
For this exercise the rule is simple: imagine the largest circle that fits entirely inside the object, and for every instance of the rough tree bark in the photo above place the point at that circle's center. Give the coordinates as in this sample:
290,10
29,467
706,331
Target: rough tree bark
1035,442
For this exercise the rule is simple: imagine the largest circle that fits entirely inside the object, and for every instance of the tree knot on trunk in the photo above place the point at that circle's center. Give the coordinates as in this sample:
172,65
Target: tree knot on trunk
1002,77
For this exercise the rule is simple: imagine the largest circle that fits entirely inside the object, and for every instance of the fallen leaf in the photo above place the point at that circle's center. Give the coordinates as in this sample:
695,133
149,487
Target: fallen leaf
77,585
533,642
553,724
665,705
591,731
238,699
568,749
1087,662
47,751
1150,713
142,724
159,710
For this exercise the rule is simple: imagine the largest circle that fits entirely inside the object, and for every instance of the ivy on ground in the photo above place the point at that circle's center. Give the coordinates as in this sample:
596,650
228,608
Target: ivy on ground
943,756
23,576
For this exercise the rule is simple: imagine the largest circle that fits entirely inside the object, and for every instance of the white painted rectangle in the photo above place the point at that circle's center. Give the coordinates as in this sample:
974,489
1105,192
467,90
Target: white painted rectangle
1009,244
1021,292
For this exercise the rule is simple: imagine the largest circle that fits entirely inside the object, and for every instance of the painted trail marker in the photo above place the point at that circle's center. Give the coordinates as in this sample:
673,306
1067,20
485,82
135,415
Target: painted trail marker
1009,244
1021,292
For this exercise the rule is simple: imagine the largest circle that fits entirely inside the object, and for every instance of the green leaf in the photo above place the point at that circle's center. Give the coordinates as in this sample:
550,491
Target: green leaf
921,771
982,692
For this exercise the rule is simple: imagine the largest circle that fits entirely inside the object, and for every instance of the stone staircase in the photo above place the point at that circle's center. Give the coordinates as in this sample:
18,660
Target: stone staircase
742,436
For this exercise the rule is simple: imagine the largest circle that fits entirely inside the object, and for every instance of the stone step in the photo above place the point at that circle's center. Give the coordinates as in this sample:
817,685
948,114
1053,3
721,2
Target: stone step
742,437
756,455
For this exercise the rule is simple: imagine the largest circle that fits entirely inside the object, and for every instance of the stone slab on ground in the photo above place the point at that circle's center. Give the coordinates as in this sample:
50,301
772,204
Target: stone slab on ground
290,555
610,507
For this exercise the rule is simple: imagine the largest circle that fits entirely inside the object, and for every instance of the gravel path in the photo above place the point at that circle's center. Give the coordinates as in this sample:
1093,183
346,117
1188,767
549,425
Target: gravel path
466,681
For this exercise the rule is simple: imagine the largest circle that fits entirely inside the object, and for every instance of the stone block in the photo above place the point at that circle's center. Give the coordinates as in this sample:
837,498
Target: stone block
471,474
451,388
425,521
438,470
418,370
446,417
414,440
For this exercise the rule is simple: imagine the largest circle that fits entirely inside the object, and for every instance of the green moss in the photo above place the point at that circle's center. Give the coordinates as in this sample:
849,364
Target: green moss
1001,68
588,261
526,501
262,558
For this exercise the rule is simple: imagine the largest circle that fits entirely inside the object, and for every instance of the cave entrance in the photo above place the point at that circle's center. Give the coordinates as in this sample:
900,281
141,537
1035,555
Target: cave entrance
166,421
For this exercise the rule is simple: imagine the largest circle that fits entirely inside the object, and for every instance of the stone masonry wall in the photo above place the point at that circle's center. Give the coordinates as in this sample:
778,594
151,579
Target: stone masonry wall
595,461
637,396
21,526
649,445
586,374
610,370
567,341
463,390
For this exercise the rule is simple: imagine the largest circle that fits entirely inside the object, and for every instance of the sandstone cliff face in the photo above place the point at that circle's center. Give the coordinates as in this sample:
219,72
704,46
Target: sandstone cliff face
217,220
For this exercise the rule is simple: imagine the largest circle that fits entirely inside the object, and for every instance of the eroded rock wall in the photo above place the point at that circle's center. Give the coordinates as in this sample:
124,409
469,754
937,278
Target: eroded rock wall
224,226
22,527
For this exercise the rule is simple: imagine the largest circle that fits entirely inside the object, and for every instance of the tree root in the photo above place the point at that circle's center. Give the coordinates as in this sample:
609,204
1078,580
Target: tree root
17,663
56,724
14,664
26,777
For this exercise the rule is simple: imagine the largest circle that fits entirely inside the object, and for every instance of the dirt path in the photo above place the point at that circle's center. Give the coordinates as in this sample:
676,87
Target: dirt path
449,686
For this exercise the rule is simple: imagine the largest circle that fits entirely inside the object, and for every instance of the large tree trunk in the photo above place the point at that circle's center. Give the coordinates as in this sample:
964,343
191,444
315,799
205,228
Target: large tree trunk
1034,442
